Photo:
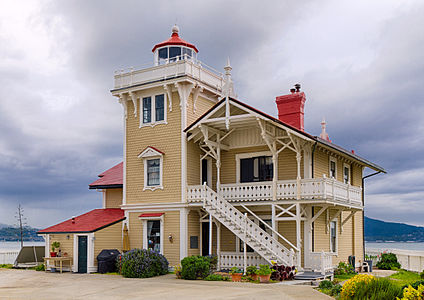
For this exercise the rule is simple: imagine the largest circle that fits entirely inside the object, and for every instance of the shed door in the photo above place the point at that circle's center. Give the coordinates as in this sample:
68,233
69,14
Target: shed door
82,254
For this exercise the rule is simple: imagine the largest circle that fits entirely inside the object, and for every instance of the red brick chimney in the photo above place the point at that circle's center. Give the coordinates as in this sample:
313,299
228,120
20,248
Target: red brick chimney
291,106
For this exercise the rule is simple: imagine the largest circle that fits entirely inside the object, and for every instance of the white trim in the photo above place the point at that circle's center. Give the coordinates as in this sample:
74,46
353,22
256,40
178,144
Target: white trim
153,121
149,152
332,159
90,252
183,232
345,165
103,198
248,155
144,220
124,171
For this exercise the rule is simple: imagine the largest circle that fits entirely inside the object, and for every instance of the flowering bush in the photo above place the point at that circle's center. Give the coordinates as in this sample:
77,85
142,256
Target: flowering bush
350,287
142,263
388,261
410,293
344,269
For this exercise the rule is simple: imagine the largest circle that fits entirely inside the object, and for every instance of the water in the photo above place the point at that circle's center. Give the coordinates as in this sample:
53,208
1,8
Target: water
395,245
16,246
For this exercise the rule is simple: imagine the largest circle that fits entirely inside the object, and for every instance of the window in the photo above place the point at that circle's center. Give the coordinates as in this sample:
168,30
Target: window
153,110
333,236
153,168
159,107
163,53
174,52
256,169
346,171
153,172
153,235
187,52
147,110
333,168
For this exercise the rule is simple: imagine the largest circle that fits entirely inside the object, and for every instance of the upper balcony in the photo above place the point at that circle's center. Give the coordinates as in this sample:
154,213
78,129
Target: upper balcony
171,68
315,190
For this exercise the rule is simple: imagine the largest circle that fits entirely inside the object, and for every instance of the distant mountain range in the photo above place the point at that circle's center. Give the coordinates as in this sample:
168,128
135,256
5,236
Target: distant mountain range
11,234
376,230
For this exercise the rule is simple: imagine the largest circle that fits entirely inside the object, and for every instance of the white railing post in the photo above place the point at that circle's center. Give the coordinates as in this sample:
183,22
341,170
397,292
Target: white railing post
245,245
322,262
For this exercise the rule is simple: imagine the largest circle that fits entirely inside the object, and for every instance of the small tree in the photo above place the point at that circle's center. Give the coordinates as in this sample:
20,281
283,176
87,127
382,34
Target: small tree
21,223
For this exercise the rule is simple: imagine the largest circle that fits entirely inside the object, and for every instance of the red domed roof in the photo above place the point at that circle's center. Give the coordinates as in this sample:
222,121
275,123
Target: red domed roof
175,40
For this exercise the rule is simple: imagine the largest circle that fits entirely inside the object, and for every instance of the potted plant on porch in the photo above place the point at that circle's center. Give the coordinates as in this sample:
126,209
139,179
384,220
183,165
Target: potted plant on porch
55,245
264,273
236,274
252,271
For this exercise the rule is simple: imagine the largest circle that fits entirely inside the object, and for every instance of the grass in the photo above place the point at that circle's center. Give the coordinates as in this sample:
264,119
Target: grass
6,266
340,278
404,277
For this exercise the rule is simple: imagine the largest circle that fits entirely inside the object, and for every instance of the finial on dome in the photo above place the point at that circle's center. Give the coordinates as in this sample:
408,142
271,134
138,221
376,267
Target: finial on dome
175,29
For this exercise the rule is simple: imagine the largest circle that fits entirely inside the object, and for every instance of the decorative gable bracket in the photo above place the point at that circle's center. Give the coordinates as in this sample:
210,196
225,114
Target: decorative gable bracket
150,152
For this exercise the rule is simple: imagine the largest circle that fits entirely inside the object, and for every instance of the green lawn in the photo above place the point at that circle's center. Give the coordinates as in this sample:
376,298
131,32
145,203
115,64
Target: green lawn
340,278
403,277
6,266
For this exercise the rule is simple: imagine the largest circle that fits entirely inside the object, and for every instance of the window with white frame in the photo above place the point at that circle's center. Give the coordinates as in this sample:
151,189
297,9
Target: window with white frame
153,168
346,174
333,168
333,236
254,167
153,110
153,236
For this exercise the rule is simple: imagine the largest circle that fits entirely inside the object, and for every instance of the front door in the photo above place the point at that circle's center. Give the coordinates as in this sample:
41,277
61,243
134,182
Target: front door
205,238
82,254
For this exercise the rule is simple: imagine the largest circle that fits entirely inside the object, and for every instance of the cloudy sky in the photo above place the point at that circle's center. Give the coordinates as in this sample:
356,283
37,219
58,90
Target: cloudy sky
360,63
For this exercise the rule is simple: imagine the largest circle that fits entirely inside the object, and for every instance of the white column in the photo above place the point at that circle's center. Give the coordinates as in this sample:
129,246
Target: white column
183,233
210,234
273,221
218,246
245,245
307,237
218,166
298,237
47,245
298,159
274,191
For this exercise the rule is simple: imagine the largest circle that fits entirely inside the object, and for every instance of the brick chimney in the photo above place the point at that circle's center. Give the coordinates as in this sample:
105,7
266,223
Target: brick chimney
291,106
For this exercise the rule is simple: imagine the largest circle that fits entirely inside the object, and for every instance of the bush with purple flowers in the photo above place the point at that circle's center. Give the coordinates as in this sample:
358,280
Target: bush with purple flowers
142,263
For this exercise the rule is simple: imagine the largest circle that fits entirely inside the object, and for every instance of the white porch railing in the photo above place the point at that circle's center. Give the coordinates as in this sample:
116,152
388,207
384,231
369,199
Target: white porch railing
182,66
236,259
311,189
320,262
8,257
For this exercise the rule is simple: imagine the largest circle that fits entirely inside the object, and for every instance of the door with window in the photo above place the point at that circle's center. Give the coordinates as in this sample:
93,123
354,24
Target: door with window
255,169
153,235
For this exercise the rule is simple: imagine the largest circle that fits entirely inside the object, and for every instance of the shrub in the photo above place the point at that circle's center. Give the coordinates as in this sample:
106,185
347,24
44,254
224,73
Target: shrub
415,285
326,284
264,270
142,263
378,289
41,267
235,270
336,290
344,269
350,287
213,260
214,277
194,267
388,261
411,293
251,270
422,275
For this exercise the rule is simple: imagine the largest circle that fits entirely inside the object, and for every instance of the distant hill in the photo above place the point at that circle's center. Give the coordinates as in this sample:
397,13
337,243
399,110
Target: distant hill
376,230
11,234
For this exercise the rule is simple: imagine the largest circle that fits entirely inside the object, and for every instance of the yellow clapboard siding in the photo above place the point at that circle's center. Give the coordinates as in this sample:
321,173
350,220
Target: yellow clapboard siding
66,245
113,198
193,230
108,238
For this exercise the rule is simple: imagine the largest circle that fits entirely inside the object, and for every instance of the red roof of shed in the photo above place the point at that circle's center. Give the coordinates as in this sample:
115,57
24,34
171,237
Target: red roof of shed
111,178
88,222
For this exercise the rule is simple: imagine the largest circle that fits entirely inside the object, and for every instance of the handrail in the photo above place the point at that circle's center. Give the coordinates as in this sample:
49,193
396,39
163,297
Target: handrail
273,230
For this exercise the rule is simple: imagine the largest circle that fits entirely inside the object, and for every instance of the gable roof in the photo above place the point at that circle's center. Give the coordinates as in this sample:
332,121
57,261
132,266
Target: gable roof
111,178
89,222
306,135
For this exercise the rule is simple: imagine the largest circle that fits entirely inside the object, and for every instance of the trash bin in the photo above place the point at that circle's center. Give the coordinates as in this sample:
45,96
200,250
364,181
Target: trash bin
106,260
351,261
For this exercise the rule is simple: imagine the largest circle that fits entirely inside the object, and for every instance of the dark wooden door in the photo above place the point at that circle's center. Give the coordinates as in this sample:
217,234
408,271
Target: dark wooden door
205,238
82,254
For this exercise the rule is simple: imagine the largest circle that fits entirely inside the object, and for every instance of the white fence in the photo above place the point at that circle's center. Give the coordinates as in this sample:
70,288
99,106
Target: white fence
409,260
8,257
320,262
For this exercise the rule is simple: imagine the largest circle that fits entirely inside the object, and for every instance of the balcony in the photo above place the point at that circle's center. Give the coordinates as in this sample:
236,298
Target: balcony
175,68
316,190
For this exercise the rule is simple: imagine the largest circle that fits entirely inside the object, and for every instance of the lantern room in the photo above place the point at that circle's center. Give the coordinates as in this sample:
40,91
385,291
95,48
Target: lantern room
174,49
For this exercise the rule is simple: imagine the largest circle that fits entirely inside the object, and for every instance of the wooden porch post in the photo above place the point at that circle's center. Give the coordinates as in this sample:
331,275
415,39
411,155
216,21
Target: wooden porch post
210,234
298,237
218,246
218,166
298,159
274,190
307,237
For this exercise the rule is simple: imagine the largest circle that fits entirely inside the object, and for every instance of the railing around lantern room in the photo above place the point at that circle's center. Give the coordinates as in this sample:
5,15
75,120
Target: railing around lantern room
169,68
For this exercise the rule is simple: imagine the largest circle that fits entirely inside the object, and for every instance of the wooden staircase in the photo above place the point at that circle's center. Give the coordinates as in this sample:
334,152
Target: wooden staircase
248,231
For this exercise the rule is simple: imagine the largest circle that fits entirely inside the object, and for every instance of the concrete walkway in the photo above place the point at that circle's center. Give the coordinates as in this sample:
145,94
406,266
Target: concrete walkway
26,284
